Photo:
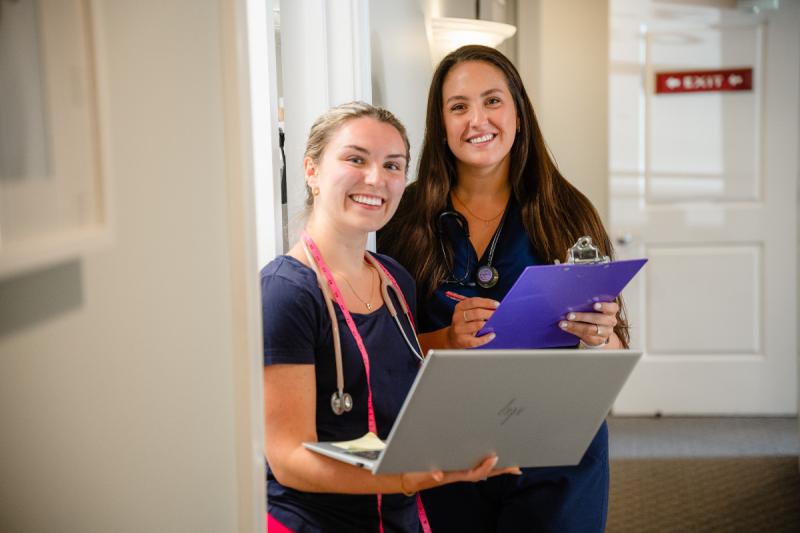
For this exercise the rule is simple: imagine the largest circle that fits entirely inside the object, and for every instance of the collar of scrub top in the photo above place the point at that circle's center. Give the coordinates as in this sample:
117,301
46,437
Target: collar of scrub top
462,223
341,401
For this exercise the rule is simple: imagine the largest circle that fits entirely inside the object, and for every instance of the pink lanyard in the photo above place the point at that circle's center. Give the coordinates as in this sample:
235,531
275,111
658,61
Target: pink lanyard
337,295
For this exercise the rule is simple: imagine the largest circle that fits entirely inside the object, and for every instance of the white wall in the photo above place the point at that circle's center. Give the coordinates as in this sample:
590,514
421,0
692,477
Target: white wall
326,61
563,60
124,392
401,74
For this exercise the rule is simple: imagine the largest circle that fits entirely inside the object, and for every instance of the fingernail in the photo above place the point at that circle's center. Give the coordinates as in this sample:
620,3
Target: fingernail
598,306
492,336
437,476
571,316
494,461
564,324
517,472
496,304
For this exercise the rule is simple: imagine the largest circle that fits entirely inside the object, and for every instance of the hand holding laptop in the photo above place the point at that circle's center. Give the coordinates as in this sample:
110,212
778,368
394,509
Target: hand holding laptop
417,481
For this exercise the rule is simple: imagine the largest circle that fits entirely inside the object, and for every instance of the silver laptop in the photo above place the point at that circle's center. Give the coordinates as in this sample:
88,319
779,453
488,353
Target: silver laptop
530,407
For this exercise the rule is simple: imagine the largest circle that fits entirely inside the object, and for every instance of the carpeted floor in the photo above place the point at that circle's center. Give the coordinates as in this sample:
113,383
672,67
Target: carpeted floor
748,494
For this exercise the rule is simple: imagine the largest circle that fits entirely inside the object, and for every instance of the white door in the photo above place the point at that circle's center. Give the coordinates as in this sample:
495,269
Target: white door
705,185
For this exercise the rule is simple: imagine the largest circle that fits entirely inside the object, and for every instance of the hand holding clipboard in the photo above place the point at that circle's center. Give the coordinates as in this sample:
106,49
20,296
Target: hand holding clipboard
543,295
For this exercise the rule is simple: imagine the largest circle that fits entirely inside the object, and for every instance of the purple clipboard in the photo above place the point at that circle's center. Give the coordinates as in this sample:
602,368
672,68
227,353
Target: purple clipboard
542,296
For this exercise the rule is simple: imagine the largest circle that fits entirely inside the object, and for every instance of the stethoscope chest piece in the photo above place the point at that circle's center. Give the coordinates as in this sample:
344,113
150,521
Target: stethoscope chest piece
487,276
341,402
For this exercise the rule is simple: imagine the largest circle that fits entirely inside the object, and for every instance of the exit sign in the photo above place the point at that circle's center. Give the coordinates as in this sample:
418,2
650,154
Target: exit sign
694,81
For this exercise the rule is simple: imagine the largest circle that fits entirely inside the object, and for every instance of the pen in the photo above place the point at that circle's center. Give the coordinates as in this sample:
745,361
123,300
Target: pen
454,296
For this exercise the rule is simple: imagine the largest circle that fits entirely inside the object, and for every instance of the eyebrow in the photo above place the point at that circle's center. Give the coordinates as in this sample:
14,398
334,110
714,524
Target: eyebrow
365,151
483,94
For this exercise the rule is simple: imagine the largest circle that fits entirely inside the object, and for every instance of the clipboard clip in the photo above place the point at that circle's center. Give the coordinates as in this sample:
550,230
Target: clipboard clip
584,252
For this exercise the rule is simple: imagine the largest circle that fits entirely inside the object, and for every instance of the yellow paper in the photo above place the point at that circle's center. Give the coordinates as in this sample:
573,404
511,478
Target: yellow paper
368,443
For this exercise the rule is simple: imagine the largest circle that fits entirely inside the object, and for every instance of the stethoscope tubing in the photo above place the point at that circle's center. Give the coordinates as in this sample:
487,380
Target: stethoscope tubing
385,282
492,246
337,343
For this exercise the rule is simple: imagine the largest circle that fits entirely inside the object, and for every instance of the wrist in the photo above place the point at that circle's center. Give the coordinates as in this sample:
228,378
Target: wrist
585,346
614,342
449,338
405,491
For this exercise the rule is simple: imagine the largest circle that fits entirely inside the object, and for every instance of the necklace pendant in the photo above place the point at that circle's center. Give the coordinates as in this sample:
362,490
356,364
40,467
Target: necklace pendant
369,306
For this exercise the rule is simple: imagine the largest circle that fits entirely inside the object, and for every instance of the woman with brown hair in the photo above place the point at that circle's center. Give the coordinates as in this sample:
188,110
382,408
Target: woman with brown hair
489,201
327,329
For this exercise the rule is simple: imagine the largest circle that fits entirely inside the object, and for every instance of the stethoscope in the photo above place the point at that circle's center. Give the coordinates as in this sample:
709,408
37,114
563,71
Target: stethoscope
341,401
487,276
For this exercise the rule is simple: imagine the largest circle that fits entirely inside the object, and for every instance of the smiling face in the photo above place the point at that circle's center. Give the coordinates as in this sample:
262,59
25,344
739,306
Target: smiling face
360,176
480,118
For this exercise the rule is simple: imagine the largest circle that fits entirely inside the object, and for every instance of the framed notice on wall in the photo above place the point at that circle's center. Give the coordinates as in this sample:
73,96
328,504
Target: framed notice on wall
54,193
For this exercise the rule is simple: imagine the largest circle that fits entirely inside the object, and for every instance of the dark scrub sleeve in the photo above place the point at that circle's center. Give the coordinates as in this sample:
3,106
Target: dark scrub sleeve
291,318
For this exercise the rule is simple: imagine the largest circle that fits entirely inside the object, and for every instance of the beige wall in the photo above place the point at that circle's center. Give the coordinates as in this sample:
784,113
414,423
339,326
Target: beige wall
117,397
569,86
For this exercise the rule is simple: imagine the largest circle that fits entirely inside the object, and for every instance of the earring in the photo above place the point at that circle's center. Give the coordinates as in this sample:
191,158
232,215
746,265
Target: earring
315,191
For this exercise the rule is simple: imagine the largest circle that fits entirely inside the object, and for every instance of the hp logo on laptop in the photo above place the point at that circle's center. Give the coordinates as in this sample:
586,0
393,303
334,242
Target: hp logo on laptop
509,410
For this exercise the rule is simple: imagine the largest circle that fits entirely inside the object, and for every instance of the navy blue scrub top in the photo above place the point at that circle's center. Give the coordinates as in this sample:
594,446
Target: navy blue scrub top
512,254
297,330
555,499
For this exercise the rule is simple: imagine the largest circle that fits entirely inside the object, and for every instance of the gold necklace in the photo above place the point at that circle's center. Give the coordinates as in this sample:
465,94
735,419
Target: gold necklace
484,220
371,291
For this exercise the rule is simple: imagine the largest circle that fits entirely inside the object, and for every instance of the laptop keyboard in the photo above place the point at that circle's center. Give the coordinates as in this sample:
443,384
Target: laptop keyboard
372,455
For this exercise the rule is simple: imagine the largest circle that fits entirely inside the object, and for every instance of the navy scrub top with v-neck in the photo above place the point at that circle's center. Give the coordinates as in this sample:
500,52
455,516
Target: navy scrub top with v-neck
569,499
297,331
512,254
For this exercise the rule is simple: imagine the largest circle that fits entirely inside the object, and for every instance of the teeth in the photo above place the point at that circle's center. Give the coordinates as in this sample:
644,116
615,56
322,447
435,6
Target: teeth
483,139
369,200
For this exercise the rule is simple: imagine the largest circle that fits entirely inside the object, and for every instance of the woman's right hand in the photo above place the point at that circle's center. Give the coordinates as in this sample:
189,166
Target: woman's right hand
469,316
416,481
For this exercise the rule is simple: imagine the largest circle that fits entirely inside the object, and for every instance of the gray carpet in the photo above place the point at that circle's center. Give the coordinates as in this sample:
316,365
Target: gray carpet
673,437
747,494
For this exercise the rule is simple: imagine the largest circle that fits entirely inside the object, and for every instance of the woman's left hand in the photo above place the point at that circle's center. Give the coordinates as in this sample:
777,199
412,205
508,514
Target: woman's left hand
594,329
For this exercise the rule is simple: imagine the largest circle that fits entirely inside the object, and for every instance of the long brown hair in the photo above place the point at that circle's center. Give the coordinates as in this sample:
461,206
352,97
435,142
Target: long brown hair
555,214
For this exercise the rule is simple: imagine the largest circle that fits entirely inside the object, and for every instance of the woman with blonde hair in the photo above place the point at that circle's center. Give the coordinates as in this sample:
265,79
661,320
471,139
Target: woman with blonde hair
324,318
